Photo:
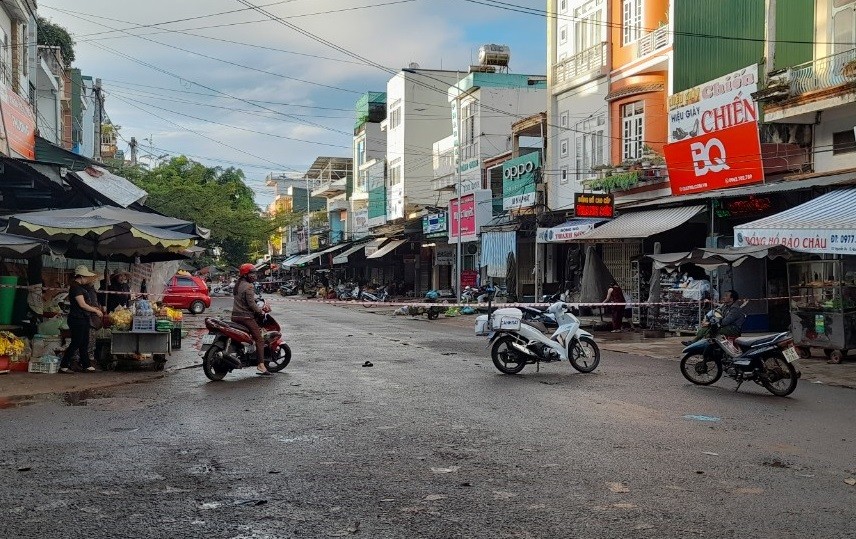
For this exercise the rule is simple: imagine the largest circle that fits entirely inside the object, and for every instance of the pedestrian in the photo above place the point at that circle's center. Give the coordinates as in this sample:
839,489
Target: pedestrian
615,296
79,320
144,289
120,290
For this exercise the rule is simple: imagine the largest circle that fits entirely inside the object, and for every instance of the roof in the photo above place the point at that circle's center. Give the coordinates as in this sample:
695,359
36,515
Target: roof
386,249
116,188
642,224
48,152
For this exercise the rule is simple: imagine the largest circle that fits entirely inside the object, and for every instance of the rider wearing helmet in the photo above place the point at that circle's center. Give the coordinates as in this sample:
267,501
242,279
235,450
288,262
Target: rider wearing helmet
246,312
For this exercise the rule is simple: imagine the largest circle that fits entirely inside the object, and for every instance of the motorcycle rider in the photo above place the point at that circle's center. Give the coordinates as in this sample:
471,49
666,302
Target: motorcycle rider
246,312
730,315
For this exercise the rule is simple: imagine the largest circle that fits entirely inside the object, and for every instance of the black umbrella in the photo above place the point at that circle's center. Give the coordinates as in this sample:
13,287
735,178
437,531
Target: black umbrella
511,277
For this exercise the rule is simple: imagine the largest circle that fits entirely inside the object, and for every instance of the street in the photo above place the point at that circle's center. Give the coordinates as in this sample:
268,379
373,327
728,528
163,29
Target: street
431,441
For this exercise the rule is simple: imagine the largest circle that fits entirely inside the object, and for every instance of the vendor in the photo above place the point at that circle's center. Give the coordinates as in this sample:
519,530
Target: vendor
119,290
79,316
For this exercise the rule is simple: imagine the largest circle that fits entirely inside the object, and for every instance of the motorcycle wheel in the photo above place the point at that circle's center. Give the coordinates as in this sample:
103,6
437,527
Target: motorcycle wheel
208,365
585,362
779,376
699,370
282,359
433,313
505,357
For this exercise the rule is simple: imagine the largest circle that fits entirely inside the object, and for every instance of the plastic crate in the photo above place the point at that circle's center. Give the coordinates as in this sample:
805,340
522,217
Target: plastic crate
45,368
143,323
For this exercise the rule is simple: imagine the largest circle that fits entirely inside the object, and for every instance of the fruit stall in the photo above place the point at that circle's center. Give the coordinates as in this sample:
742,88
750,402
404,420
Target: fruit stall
823,306
134,335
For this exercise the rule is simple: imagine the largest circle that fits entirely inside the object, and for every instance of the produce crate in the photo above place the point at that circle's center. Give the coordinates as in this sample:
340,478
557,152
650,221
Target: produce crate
175,337
143,323
45,368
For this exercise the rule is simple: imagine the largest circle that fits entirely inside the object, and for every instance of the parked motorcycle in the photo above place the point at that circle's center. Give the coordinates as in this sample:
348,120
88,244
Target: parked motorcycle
289,288
514,343
229,346
378,295
768,361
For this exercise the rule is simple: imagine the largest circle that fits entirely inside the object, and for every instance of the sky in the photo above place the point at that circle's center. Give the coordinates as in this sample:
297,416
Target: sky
229,86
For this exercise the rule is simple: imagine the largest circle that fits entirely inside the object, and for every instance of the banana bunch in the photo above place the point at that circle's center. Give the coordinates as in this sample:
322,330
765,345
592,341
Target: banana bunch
10,345
122,319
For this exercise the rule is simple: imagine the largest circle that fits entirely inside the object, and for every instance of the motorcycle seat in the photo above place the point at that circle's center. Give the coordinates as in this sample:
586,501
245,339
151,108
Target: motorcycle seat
750,342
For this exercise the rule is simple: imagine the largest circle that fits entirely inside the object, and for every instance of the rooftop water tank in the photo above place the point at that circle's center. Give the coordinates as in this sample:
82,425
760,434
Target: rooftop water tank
495,55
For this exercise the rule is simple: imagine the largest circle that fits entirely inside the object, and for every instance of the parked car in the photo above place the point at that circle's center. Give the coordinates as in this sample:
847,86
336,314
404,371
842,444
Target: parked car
187,292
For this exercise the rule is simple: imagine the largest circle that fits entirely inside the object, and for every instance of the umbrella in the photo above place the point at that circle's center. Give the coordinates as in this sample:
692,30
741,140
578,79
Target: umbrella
13,246
596,278
107,232
511,277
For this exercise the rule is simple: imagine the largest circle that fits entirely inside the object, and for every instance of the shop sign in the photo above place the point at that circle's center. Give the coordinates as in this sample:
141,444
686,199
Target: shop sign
804,241
727,158
434,222
361,223
563,233
594,205
475,210
395,202
19,124
469,278
518,181
743,207
444,255
713,135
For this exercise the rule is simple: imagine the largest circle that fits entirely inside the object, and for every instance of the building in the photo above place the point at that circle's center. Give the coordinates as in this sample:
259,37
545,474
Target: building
369,158
18,77
329,178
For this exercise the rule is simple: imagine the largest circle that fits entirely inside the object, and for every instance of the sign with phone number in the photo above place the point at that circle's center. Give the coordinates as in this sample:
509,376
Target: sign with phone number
804,241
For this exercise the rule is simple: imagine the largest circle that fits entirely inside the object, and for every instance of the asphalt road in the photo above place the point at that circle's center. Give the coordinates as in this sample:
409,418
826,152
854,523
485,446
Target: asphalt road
430,442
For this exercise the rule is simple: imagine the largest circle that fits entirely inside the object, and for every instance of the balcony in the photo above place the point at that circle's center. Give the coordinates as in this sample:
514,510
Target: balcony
339,204
591,61
330,188
653,41
823,73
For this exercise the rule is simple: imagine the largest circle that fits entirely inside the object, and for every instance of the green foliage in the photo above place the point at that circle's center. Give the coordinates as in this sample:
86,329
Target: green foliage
55,35
215,198
616,182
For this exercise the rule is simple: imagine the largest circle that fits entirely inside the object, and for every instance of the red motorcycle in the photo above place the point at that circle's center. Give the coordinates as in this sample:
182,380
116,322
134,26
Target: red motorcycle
229,345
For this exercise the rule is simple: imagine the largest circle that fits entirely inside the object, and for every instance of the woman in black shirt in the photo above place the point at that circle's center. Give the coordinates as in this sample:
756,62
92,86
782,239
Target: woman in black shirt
79,320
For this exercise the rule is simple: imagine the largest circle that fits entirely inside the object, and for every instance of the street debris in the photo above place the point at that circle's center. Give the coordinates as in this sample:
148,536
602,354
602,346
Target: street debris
850,481
702,418
368,364
450,469
618,488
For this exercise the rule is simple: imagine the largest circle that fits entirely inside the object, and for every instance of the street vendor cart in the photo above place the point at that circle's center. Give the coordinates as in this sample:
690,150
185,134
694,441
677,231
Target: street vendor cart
823,306
147,335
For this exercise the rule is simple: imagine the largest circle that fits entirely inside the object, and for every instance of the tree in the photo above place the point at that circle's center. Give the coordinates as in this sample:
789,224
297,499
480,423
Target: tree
215,198
55,35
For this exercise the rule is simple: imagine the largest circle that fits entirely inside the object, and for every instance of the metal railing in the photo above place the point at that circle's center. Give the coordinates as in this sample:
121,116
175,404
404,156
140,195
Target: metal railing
823,73
653,41
582,63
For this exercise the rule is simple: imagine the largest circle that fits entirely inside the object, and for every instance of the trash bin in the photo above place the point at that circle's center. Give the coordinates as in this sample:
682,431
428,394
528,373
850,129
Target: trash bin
175,337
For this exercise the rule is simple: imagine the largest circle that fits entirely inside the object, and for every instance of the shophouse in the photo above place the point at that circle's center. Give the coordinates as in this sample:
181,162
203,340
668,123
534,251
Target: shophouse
369,151
18,76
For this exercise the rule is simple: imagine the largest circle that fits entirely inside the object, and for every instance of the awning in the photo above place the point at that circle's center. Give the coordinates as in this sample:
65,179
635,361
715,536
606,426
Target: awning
710,258
642,224
386,249
13,246
825,225
290,260
342,258
567,232
116,188
305,259
495,247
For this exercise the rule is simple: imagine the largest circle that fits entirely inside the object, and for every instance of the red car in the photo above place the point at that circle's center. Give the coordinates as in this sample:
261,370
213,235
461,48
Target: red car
187,292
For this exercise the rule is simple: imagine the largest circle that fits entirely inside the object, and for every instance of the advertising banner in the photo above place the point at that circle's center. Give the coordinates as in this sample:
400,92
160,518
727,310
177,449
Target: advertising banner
19,124
444,255
563,233
518,181
713,135
727,158
816,241
433,223
465,216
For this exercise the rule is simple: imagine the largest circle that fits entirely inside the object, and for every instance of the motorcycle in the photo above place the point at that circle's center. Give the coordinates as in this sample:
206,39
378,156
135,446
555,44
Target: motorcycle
289,288
378,295
229,345
768,361
514,343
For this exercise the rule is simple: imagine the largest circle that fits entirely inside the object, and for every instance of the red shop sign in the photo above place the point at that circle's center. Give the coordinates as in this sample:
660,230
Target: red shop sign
467,217
727,158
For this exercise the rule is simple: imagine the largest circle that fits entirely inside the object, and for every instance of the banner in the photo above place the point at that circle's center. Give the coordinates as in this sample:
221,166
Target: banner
563,233
713,135
815,241
518,181
19,124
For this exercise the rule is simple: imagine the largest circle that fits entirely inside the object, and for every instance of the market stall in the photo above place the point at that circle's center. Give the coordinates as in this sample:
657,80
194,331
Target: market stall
822,287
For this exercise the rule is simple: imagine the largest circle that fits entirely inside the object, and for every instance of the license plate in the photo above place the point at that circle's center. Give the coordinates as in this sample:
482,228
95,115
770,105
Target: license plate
209,339
791,354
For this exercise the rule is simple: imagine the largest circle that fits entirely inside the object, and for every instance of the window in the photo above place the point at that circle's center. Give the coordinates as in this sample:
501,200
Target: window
394,174
590,145
563,148
563,6
468,130
563,120
563,34
843,25
632,129
631,21
362,180
844,142
185,281
588,27
563,174
395,117
361,152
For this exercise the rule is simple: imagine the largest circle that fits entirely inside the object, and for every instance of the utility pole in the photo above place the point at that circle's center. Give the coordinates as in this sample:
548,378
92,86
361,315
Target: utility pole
133,145
99,106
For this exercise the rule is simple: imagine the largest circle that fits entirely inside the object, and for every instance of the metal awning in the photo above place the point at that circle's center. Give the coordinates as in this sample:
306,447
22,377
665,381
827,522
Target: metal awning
290,260
386,249
342,258
825,225
642,224
116,188
305,259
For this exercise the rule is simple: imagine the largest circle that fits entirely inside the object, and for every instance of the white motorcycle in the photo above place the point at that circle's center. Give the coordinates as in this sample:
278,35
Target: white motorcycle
515,343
